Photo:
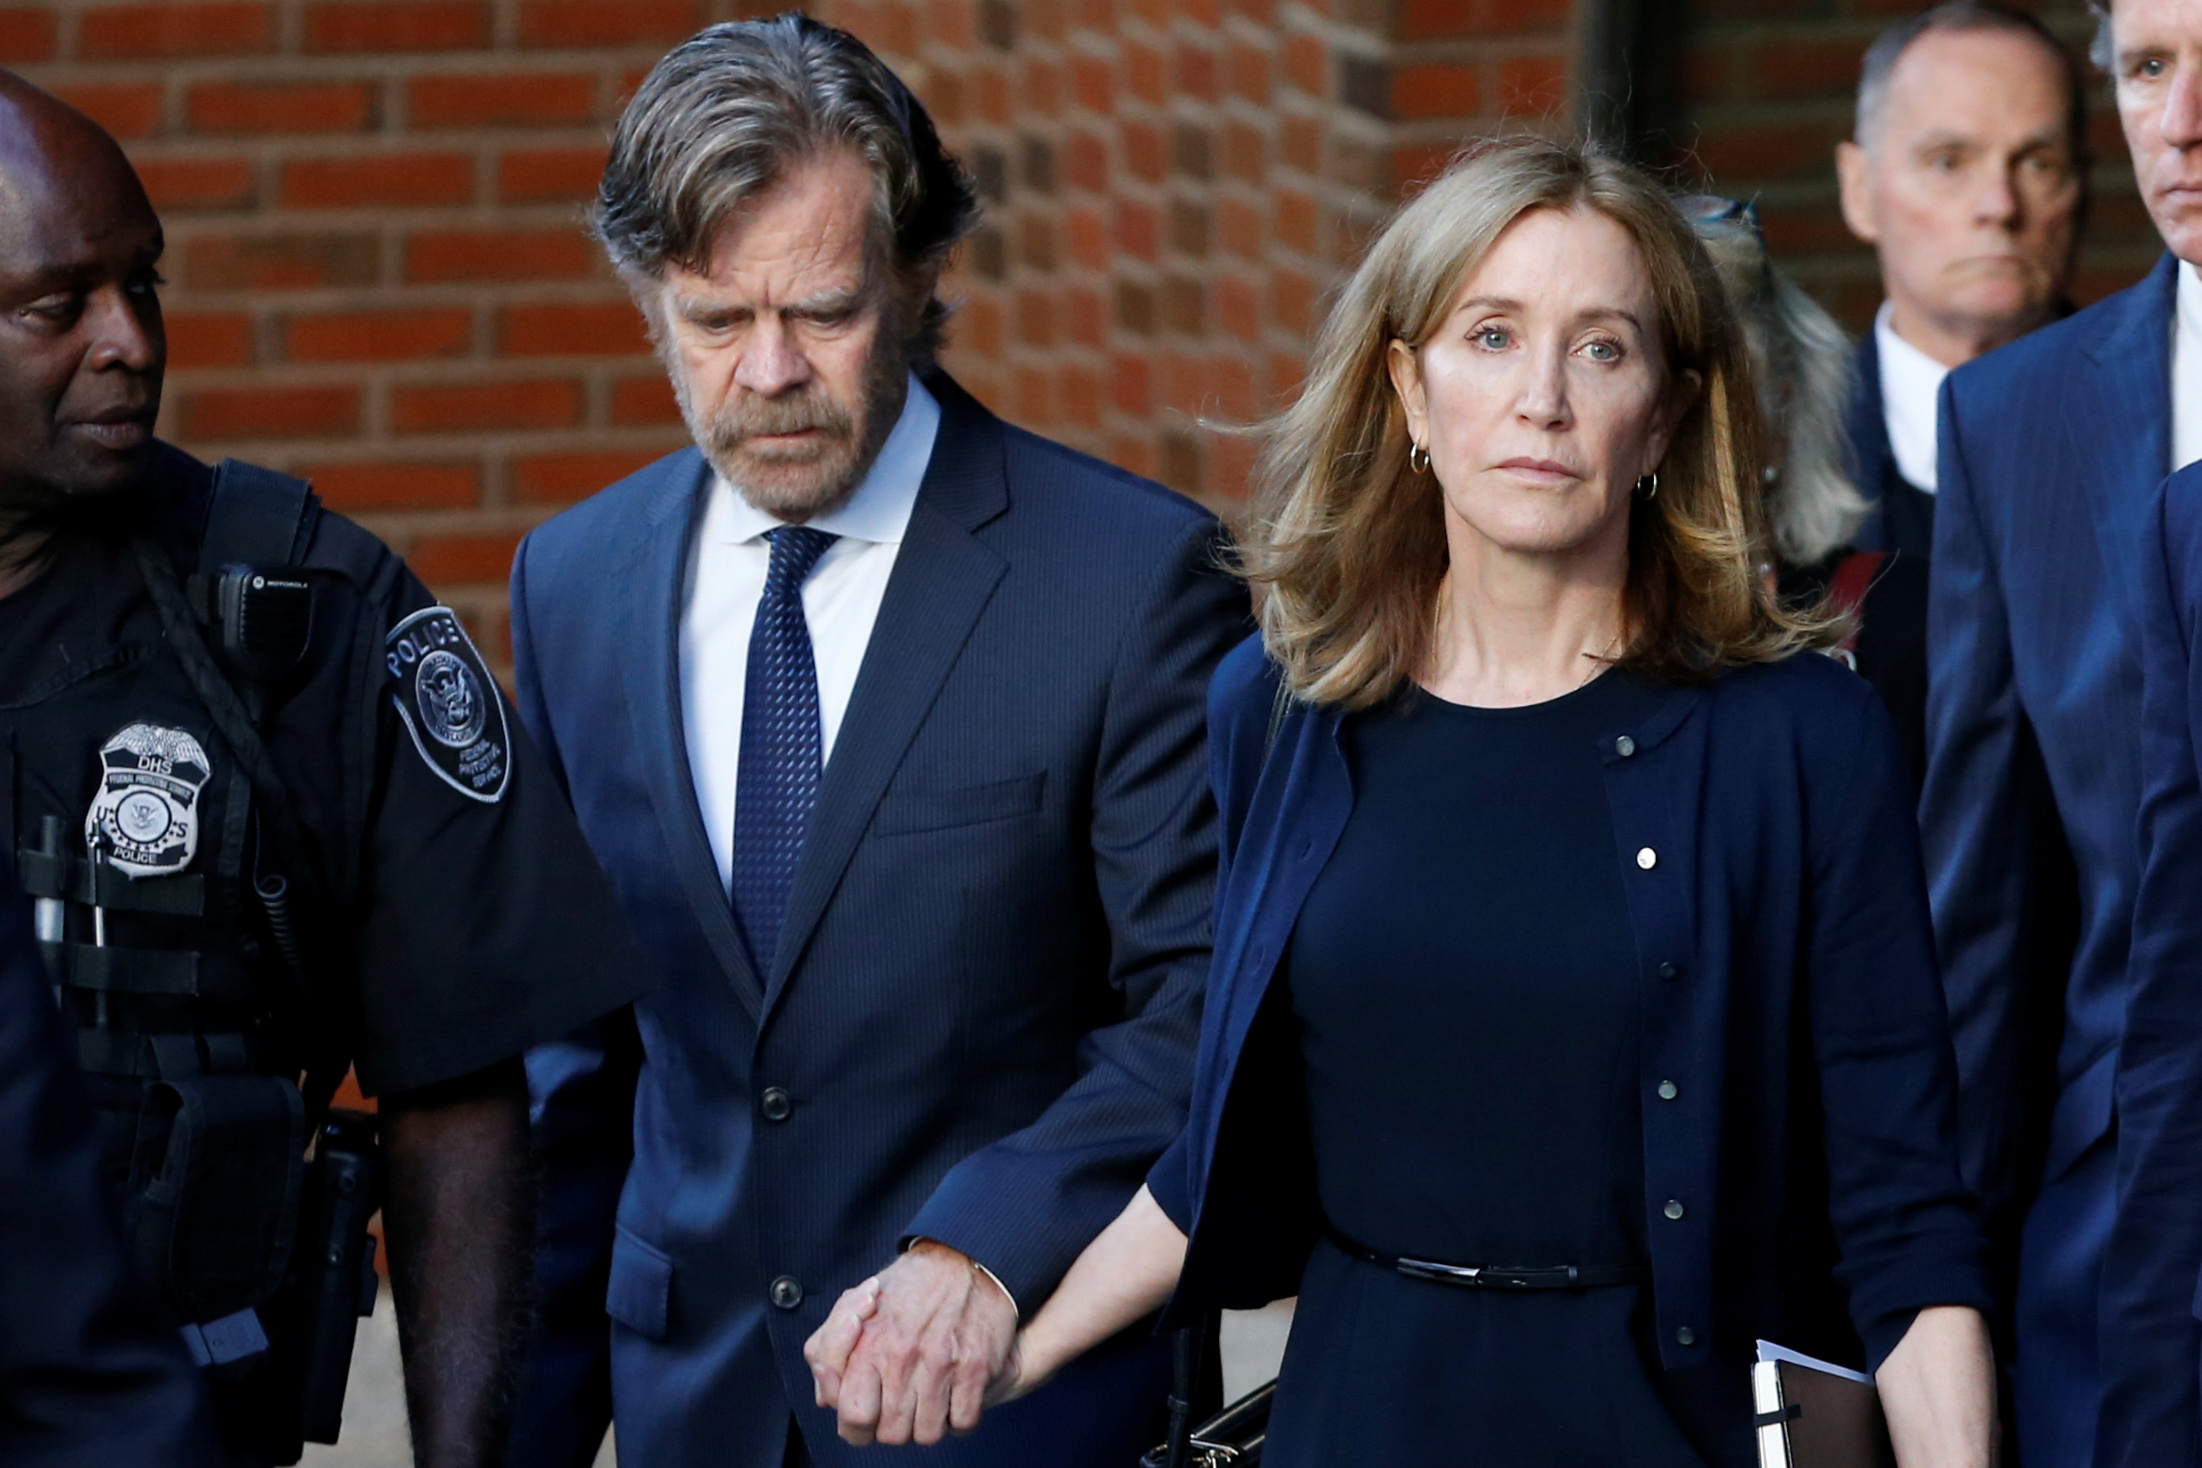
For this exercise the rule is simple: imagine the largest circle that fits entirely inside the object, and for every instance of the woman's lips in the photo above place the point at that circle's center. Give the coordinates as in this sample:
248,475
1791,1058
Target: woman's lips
1539,471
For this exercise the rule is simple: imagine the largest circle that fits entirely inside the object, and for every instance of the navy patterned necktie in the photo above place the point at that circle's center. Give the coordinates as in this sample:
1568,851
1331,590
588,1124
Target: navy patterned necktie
776,783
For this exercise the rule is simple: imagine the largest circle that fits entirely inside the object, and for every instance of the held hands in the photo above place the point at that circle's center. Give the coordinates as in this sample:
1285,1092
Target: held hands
917,1351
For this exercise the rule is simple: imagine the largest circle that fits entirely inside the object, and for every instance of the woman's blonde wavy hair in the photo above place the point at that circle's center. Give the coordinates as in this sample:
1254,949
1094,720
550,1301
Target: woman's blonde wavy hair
1348,542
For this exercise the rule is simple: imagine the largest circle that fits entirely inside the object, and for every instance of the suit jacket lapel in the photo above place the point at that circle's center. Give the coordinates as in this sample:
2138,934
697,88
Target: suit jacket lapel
657,574
2119,416
942,580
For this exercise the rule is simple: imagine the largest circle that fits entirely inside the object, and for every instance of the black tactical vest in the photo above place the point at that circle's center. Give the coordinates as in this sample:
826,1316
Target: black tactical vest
167,880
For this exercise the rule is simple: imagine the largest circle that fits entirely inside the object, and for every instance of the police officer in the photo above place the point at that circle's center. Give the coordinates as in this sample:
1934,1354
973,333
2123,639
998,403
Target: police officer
88,1377
279,821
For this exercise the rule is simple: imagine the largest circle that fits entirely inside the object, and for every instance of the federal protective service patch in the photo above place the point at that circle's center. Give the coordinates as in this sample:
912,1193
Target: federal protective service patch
145,817
450,704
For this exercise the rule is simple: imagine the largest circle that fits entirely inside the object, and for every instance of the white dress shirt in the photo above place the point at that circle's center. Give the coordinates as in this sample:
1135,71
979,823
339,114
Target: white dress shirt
726,580
2186,371
1911,389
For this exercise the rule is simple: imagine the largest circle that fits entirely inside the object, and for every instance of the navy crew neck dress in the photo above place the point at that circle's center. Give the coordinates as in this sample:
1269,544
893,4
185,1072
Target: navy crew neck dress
1464,982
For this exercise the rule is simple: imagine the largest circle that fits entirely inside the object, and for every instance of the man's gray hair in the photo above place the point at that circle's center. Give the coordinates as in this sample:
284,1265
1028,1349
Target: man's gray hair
2103,52
1889,47
728,111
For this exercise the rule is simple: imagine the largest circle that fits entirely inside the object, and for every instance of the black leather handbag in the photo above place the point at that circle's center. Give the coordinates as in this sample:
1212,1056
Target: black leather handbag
1232,1438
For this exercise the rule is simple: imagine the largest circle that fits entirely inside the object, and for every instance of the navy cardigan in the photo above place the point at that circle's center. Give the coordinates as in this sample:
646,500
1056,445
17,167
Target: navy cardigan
1764,823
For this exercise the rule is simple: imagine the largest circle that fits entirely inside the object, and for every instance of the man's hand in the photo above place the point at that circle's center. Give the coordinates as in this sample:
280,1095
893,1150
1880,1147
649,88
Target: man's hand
911,1354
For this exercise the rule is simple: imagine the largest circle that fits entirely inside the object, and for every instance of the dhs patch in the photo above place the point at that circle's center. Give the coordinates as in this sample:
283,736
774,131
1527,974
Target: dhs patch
146,814
450,704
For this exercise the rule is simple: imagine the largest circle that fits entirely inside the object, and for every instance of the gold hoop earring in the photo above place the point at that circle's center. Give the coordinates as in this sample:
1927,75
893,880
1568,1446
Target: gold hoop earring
1418,458
1648,495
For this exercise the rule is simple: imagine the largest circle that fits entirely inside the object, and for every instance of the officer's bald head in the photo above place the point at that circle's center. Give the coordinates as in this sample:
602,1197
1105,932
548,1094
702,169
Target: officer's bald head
81,343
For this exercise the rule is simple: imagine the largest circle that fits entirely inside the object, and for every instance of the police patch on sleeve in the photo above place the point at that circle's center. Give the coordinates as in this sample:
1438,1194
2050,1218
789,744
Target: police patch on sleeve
145,818
450,704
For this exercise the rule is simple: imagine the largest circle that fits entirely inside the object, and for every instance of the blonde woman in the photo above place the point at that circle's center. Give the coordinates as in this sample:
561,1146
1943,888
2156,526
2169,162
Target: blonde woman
1573,1019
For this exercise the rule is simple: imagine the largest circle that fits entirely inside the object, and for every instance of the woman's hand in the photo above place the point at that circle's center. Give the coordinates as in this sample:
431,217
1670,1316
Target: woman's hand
1938,1389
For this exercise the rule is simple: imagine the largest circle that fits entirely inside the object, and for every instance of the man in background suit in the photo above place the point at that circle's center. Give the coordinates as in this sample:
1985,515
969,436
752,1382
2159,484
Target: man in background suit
886,721
2050,453
1966,173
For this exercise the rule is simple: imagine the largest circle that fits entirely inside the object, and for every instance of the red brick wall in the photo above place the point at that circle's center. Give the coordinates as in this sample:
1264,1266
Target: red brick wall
378,275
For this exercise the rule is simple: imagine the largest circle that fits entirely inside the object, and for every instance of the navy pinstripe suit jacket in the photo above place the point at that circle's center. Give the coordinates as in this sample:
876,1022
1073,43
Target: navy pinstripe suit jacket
2051,451
988,989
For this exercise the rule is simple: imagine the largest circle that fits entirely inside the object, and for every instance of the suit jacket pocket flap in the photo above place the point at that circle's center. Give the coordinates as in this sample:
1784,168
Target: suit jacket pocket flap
902,811
641,1292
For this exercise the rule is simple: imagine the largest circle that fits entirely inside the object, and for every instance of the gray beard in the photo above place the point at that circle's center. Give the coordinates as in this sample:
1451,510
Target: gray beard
800,487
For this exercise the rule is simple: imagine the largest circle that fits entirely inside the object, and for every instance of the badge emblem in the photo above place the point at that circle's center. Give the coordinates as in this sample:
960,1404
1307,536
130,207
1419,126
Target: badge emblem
449,703
145,818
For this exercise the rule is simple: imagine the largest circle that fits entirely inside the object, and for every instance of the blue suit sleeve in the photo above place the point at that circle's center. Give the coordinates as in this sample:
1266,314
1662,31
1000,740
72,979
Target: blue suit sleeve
1986,819
89,1376
1907,1226
581,1092
1027,1205
2150,1337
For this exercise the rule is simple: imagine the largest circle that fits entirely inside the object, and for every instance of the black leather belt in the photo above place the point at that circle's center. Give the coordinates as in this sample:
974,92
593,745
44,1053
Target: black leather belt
1497,1276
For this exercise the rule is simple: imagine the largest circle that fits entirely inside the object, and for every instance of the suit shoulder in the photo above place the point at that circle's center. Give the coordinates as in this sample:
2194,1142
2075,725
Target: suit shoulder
616,512
1114,502
2043,356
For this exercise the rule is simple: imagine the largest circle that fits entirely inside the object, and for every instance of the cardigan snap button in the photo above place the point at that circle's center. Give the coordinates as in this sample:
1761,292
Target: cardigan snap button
1647,858
1685,1337
1674,1208
1668,1090
1624,746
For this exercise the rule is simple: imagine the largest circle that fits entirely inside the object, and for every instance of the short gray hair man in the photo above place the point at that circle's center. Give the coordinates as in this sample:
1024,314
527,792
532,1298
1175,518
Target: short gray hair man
1971,15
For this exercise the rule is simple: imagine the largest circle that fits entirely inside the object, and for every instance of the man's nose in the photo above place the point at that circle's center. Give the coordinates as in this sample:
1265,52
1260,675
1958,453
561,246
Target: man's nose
2182,120
125,330
771,362
1996,199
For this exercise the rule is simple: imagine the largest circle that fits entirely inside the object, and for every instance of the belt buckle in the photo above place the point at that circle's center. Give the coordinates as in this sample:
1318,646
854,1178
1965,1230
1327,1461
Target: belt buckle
1453,1274
1498,1276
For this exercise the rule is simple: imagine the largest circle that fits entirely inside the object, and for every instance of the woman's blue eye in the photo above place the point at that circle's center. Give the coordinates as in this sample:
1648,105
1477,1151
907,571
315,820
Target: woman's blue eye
1603,352
1492,338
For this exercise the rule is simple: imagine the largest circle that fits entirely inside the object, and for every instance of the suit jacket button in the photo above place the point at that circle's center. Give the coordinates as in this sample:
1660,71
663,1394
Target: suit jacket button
787,1292
776,1104
1674,1208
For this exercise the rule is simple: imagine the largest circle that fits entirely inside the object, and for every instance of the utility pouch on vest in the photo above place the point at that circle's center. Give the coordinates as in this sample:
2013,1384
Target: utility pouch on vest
214,1201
